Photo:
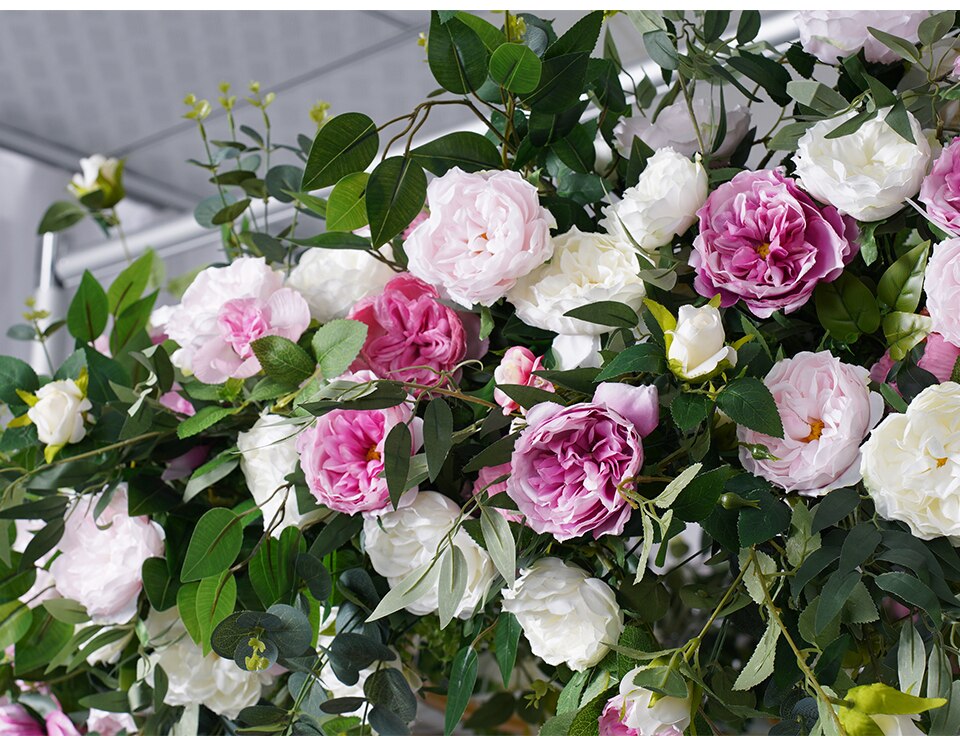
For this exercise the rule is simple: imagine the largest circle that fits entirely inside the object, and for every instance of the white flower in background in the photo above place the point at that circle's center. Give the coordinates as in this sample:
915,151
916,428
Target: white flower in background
109,653
585,268
897,725
333,280
100,559
663,203
697,345
268,454
59,412
211,681
666,714
567,616
110,724
911,464
835,34
98,174
157,324
674,128
398,542
43,588
868,174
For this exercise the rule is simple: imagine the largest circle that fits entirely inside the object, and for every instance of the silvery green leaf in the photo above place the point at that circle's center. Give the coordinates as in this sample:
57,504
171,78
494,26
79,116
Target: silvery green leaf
452,584
500,543
911,659
674,487
760,665
409,590
647,545
751,578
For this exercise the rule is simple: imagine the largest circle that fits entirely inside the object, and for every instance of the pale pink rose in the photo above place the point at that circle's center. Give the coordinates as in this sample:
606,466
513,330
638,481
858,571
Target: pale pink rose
570,461
611,720
485,231
518,368
411,336
177,402
110,724
414,224
939,358
940,190
59,724
485,482
16,721
341,454
102,345
100,559
834,34
224,310
827,411
942,287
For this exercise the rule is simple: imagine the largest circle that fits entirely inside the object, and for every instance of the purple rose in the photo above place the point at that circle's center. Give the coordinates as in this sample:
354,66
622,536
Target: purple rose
940,190
570,462
765,241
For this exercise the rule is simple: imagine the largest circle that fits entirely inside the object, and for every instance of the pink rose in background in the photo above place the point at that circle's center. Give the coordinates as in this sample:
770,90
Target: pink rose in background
764,241
485,482
411,336
59,724
342,454
940,190
942,287
224,310
570,460
100,560
833,34
939,358
16,721
827,411
183,465
110,724
177,402
485,231
517,369
611,720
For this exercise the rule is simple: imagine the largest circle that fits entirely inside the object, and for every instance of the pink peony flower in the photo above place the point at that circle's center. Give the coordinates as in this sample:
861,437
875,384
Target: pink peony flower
942,287
939,358
411,336
569,462
110,724
224,310
176,402
827,411
485,482
517,369
485,231
342,454
59,724
183,465
100,559
611,720
15,720
940,190
764,241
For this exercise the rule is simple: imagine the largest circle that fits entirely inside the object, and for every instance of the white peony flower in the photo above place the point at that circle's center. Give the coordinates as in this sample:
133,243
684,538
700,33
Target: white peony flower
663,203
401,541
911,464
98,174
868,174
109,653
585,268
897,725
674,128
211,681
667,712
568,617
333,280
697,345
268,454
105,723
43,588
100,559
834,34
60,412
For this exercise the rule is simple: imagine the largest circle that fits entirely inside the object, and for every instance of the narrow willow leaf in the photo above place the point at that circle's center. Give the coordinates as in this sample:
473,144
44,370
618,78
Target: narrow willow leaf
674,487
500,543
452,584
760,665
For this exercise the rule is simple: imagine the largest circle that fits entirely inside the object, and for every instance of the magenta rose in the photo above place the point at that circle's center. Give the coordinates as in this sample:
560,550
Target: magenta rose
764,241
17,721
940,190
411,336
518,368
939,358
570,461
341,454
488,479
942,287
611,719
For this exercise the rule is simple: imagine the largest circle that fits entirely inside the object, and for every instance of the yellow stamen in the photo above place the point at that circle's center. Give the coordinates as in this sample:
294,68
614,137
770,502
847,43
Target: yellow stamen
816,429
941,461
763,250
373,454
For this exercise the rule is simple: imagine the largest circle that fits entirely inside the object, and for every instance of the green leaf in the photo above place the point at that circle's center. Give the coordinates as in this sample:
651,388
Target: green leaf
187,608
452,583
669,494
337,532
335,241
16,374
59,216
456,55
203,419
209,473
610,314
346,207
850,127
515,68
760,665
388,689
40,644
835,506
130,283
214,545
463,676
207,208
88,311
337,345
770,75
15,621
66,610
466,150
528,396
661,679
911,659
230,213
216,597
817,96
697,501
689,410
495,453
901,285
396,460
835,594
899,119
506,638
580,38
643,358
132,321
499,543
272,569
281,180
748,402
847,308
900,46
661,49
396,192
437,435
714,24
911,591
935,27
561,84
159,584
748,26
347,143
313,206
904,331
283,360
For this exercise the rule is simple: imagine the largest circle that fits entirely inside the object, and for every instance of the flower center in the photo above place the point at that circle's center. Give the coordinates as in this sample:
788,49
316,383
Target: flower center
763,250
484,236
816,429
941,461
241,321
372,453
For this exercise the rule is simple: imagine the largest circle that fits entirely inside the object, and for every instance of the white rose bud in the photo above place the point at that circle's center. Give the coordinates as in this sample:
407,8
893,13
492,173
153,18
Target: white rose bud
398,542
868,174
667,715
99,174
59,413
911,464
268,454
664,202
697,351
567,616
333,280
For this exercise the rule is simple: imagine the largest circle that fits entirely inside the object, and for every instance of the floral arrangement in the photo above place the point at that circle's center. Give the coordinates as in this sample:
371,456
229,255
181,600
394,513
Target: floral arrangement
626,416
